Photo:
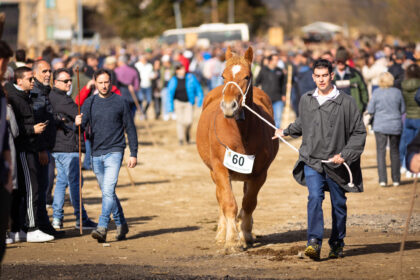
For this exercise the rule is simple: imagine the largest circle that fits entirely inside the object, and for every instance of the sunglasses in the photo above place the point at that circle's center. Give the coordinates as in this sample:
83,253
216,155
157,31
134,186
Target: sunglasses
65,81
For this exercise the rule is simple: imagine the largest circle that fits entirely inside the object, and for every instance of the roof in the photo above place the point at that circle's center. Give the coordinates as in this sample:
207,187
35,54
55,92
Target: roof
321,27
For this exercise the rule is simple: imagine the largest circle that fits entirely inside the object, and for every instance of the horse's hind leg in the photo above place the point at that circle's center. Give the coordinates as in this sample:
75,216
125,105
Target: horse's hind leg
249,202
229,210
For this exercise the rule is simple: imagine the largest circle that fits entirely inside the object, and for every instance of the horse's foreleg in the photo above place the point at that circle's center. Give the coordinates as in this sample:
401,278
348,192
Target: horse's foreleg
229,210
249,202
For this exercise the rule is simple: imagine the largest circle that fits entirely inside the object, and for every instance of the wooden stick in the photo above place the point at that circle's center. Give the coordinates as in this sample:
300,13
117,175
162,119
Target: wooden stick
131,90
407,223
288,94
80,156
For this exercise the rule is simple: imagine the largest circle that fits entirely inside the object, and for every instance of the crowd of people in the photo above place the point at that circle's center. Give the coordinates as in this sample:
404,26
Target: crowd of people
42,116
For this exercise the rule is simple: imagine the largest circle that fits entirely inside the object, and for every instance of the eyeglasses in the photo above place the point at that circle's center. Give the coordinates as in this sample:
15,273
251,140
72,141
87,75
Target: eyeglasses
31,79
65,81
47,70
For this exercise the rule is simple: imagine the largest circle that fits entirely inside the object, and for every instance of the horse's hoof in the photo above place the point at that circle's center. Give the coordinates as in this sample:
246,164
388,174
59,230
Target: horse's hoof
233,249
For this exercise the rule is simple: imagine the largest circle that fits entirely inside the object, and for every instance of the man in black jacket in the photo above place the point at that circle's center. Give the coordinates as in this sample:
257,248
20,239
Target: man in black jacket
271,79
65,151
396,68
27,148
5,154
43,112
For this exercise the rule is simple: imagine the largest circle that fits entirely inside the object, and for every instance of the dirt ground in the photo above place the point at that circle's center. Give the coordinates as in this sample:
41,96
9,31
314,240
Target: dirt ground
172,214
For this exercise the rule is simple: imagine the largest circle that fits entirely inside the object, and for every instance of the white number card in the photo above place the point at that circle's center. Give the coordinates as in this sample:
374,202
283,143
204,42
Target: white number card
238,162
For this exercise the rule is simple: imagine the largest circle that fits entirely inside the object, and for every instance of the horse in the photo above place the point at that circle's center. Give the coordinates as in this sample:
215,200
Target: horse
225,127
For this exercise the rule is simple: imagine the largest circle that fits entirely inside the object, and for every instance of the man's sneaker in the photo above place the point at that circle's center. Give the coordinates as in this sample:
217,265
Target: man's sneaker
49,229
313,250
87,224
9,238
38,236
99,234
122,230
336,250
57,223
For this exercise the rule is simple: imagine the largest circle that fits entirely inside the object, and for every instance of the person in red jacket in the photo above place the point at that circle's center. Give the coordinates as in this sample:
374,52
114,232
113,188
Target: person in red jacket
85,92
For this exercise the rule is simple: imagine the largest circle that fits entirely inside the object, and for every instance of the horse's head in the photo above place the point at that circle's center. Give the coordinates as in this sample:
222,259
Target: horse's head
237,82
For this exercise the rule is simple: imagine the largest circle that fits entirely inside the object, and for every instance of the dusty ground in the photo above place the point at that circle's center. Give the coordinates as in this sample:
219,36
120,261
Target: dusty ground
172,213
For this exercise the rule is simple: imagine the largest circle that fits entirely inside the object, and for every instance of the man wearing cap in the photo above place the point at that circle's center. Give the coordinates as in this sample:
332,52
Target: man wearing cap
349,80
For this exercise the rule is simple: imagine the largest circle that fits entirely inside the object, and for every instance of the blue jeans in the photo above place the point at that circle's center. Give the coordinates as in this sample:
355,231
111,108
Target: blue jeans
278,111
67,165
316,182
410,129
87,162
145,94
106,168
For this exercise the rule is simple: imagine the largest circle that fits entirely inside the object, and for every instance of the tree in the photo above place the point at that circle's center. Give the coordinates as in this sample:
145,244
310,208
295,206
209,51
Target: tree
146,18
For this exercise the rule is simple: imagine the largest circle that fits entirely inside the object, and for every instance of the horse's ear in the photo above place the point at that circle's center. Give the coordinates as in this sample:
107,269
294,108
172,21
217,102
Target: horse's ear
249,55
228,54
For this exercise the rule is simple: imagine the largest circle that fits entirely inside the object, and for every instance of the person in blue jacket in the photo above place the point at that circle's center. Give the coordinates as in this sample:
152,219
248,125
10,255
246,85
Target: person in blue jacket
184,92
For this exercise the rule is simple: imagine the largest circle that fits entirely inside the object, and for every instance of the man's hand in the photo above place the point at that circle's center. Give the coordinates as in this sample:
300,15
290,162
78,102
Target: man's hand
39,128
78,119
283,98
337,159
415,163
43,158
278,133
132,162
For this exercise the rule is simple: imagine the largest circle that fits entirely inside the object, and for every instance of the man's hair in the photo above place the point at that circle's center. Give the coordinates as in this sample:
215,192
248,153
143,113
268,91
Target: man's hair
323,63
59,71
20,55
90,55
412,72
5,50
100,72
38,62
270,57
20,73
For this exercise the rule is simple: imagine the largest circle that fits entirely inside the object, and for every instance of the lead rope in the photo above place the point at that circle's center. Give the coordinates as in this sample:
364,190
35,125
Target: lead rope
350,184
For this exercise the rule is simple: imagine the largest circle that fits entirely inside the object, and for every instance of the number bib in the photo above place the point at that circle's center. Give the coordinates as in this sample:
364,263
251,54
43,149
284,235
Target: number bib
238,162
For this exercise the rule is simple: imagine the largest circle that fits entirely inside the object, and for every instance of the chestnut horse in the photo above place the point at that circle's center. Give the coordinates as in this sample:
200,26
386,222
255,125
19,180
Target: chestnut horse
225,123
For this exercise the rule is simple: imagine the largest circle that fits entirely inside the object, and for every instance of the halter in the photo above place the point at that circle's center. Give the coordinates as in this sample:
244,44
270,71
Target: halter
240,90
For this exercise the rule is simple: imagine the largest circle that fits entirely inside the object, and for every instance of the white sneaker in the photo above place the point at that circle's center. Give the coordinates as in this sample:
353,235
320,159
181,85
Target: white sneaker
403,170
166,118
382,184
396,184
409,175
9,239
38,236
57,224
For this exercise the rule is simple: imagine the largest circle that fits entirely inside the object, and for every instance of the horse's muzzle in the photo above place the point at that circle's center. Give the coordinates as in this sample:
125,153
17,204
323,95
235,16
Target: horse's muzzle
229,109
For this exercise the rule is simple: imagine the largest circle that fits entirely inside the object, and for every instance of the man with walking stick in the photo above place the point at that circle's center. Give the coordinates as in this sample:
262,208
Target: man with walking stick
333,130
66,152
109,116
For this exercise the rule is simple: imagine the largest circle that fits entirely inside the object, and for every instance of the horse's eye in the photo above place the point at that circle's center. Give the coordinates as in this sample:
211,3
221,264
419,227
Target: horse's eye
247,78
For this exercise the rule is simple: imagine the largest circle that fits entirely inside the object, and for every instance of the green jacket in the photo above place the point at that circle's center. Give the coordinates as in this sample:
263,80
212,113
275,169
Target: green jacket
409,88
353,84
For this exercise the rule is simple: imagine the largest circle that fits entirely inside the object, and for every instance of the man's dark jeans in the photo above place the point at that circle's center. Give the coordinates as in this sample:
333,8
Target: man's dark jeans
316,182
5,201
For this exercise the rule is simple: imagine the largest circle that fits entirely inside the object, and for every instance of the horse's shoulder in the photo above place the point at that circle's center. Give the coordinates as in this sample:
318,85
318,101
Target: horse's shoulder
262,99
